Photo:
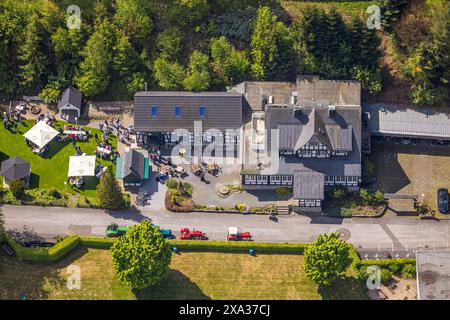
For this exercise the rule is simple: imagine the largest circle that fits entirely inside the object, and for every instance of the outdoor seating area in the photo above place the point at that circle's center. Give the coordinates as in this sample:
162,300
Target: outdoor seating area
48,118
83,166
49,169
39,137
105,151
74,133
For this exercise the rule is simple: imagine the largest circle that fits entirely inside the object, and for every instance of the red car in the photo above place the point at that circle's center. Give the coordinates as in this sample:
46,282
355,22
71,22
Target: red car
236,234
186,234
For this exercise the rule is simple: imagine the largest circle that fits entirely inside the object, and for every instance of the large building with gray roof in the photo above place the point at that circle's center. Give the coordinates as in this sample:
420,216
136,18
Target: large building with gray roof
172,116
312,136
419,123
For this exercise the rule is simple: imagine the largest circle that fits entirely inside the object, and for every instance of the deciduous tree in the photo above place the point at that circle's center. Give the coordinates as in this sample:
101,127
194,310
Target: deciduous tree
141,257
326,259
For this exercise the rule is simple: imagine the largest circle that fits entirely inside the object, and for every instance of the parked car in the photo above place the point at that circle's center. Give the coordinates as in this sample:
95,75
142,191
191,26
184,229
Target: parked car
113,230
236,234
187,234
405,141
439,143
442,196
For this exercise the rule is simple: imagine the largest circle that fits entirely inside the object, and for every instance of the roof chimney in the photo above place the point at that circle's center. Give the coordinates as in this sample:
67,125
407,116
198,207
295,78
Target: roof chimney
331,110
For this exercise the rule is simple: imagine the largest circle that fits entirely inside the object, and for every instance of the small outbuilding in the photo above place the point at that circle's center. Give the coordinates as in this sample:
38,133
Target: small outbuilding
15,169
70,104
133,168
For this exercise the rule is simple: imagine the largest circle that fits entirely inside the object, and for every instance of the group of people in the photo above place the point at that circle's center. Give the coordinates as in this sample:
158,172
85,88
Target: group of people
11,119
48,118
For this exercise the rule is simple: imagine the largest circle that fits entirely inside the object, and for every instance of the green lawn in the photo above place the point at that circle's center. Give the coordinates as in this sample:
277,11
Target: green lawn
192,276
50,171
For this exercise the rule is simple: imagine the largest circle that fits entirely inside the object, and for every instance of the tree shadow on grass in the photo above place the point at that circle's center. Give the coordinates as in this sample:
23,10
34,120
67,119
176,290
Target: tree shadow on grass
344,288
34,181
176,286
55,148
31,281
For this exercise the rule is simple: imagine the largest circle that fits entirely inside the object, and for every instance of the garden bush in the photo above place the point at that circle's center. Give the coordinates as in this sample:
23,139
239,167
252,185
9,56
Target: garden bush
17,188
386,276
283,191
53,192
409,271
339,192
171,184
241,207
394,268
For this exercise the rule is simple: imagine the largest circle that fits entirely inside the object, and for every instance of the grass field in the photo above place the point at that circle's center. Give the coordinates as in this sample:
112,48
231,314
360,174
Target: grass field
192,276
50,171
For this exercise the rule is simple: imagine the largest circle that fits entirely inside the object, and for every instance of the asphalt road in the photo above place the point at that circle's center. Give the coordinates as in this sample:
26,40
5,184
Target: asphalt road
368,235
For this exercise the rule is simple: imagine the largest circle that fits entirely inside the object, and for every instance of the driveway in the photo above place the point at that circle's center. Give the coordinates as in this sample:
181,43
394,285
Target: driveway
390,233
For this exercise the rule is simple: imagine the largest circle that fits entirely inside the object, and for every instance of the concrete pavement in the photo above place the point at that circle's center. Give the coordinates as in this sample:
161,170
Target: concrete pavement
389,233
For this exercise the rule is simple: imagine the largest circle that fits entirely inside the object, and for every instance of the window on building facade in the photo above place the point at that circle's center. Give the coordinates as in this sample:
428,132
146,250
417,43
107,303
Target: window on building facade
202,111
178,111
154,111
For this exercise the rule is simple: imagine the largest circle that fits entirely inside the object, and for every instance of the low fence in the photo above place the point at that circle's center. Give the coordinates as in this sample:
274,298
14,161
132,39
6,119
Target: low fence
112,107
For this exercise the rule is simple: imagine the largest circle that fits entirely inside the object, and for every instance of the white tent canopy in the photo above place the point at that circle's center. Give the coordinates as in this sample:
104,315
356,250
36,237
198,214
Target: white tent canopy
81,166
41,134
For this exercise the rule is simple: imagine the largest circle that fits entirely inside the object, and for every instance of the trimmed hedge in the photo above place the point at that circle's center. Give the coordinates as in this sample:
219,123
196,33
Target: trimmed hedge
386,263
210,246
45,255
97,242
242,246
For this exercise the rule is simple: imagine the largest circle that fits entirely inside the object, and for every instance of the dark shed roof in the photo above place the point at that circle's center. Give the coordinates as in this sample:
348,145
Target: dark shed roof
71,95
15,168
308,185
133,163
223,110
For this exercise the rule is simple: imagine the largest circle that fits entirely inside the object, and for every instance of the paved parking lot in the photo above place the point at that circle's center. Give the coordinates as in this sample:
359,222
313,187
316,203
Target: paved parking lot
418,169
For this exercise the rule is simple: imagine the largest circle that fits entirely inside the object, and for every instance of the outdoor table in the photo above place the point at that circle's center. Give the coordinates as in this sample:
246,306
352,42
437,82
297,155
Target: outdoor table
104,150
179,169
76,132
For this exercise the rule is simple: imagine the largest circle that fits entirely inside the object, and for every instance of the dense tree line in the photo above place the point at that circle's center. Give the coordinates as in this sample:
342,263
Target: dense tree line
173,45
427,64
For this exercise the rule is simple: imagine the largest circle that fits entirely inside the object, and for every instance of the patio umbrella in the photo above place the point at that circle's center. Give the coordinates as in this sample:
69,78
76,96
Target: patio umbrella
41,134
81,166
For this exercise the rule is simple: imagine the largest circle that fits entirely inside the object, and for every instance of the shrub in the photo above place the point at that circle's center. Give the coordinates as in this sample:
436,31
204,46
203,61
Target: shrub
365,196
409,271
394,268
141,257
52,192
17,188
338,193
386,276
187,188
283,191
241,207
171,184
378,198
